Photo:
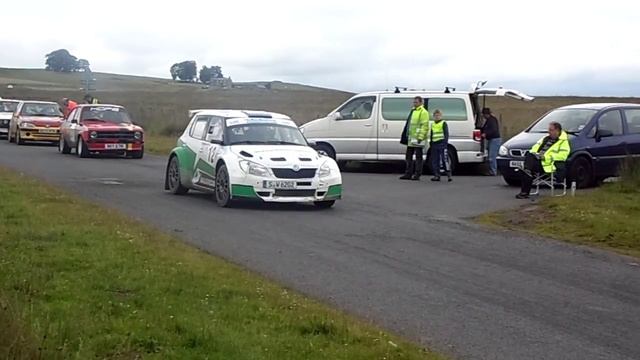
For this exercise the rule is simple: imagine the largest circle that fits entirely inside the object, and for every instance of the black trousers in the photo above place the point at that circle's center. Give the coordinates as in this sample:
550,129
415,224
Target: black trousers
414,167
532,166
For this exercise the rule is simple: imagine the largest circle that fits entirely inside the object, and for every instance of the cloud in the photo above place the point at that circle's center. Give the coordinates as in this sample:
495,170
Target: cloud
546,47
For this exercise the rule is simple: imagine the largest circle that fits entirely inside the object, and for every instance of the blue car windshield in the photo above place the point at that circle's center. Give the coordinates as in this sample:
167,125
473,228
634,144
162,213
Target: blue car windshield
572,120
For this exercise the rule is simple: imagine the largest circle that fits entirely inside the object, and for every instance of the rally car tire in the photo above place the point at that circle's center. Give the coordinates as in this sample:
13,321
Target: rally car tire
63,147
223,188
324,204
19,140
81,149
174,185
137,154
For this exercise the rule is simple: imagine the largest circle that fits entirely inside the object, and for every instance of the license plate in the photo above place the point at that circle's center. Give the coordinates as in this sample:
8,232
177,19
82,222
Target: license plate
278,184
516,164
48,131
115,146
3,131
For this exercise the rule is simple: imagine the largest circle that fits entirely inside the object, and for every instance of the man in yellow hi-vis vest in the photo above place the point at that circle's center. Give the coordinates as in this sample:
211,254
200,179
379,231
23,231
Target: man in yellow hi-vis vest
543,157
414,136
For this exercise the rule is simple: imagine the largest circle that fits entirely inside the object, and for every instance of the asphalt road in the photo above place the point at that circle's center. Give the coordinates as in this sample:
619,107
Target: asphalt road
396,253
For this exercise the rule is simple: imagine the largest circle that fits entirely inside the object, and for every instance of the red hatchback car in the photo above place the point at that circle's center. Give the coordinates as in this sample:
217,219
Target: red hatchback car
101,129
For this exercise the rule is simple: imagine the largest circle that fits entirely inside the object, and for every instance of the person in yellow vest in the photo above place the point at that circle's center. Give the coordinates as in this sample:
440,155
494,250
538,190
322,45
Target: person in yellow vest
90,99
543,157
438,142
414,136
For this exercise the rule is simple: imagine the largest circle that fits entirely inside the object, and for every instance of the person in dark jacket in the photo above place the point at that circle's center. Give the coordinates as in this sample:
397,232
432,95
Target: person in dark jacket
491,133
438,141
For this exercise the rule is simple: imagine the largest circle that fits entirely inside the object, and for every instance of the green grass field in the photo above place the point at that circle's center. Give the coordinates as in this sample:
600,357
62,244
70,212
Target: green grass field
81,282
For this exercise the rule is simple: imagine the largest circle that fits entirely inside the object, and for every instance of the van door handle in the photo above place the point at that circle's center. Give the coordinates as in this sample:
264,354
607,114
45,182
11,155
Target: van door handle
368,125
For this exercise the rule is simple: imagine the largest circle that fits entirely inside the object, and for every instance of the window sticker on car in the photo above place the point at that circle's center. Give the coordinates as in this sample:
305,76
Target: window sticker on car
104,108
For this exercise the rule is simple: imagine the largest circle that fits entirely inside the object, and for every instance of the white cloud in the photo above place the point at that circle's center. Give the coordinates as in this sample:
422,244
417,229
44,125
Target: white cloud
544,47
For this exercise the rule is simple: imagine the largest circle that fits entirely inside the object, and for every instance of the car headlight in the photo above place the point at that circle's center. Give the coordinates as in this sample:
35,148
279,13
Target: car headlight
325,170
5,122
252,168
93,134
137,135
26,125
503,151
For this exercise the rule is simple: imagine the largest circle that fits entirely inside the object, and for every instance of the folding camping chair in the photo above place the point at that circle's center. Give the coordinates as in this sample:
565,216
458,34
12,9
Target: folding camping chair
556,179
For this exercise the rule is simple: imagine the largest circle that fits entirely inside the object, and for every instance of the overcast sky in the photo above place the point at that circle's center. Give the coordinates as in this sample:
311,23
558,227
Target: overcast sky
541,47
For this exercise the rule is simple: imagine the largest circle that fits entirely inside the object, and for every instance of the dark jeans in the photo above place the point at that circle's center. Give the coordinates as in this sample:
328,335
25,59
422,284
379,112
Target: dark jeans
439,158
533,166
414,167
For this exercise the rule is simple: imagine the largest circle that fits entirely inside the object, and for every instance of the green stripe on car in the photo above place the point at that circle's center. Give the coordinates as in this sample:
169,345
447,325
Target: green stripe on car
243,191
334,192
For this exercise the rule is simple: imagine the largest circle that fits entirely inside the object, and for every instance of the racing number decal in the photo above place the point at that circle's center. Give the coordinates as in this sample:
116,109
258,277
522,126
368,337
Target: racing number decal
213,151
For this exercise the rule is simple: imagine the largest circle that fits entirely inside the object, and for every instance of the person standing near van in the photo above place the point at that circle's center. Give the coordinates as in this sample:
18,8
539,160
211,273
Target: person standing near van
438,142
416,130
491,133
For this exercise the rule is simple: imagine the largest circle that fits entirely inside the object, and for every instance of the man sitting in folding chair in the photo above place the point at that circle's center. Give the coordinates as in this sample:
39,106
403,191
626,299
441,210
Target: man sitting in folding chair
540,163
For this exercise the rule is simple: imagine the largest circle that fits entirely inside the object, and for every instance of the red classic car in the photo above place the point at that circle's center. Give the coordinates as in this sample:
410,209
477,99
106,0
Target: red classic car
101,129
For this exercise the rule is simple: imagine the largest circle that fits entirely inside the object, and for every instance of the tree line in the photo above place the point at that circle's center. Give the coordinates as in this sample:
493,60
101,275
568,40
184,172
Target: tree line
188,71
62,61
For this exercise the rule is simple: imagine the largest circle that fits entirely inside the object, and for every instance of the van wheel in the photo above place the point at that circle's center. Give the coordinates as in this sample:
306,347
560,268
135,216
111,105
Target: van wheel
327,149
582,173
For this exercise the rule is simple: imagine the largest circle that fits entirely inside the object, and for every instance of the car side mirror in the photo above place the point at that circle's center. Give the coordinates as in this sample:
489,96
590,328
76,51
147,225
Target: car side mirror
602,133
336,116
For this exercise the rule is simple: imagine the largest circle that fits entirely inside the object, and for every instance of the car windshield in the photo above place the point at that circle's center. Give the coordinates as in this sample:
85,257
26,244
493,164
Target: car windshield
8,106
261,134
111,114
37,109
572,120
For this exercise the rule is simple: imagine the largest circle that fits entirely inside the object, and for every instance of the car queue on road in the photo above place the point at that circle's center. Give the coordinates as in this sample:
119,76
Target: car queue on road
243,154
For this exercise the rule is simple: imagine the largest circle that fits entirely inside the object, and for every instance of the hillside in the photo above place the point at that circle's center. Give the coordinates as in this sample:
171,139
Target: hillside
161,104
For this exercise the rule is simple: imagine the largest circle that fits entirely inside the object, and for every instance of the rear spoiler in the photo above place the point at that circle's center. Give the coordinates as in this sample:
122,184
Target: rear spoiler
193,112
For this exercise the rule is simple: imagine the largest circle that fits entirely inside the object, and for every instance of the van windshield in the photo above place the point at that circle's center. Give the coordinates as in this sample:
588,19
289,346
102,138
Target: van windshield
572,120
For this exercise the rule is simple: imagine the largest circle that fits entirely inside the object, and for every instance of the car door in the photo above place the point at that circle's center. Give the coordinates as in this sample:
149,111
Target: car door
394,111
13,125
211,150
196,142
607,151
353,129
69,128
632,137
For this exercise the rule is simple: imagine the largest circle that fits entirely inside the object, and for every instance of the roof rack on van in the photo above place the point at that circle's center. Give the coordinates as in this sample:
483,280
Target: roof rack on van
449,89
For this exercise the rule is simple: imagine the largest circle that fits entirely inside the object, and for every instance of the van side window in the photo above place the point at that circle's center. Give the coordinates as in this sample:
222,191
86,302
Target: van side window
396,108
453,109
612,121
199,127
357,109
633,120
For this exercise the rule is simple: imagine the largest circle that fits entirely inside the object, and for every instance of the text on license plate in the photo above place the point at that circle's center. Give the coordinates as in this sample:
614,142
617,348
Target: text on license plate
278,184
48,131
115,146
516,164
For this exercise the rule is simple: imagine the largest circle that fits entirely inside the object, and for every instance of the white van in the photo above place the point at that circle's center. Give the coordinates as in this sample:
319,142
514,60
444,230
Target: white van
368,126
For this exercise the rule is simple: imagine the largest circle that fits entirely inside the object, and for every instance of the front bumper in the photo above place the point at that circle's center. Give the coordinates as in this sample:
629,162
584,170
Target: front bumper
505,168
305,191
40,134
113,147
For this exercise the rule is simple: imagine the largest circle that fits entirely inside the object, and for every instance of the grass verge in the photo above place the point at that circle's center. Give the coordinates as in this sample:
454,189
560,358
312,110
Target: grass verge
79,281
606,217
159,144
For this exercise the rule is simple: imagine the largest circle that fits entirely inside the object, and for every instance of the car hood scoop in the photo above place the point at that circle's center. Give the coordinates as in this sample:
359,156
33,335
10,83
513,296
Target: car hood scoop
281,156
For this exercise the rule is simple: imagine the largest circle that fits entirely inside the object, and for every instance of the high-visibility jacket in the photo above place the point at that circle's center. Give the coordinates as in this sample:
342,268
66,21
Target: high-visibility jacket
94,100
439,131
559,151
418,127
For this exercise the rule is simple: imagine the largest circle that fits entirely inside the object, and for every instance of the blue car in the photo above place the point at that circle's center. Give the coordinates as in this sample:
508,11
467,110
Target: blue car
601,137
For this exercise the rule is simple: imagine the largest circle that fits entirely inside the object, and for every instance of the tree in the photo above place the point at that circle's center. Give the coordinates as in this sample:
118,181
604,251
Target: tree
208,73
185,71
83,65
61,61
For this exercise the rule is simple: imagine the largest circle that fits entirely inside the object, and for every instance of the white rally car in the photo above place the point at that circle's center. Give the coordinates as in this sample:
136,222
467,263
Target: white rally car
237,154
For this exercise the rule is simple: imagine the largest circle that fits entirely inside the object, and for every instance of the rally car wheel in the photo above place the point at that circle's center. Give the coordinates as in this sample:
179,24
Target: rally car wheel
63,147
324,204
223,188
81,149
173,178
19,140
137,154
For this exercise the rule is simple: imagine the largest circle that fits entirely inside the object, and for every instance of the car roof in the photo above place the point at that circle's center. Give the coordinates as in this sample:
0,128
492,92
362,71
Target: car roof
598,106
10,100
98,105
38,102
238,114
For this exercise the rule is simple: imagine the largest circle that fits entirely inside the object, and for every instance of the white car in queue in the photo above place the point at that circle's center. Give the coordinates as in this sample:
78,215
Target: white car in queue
238,154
